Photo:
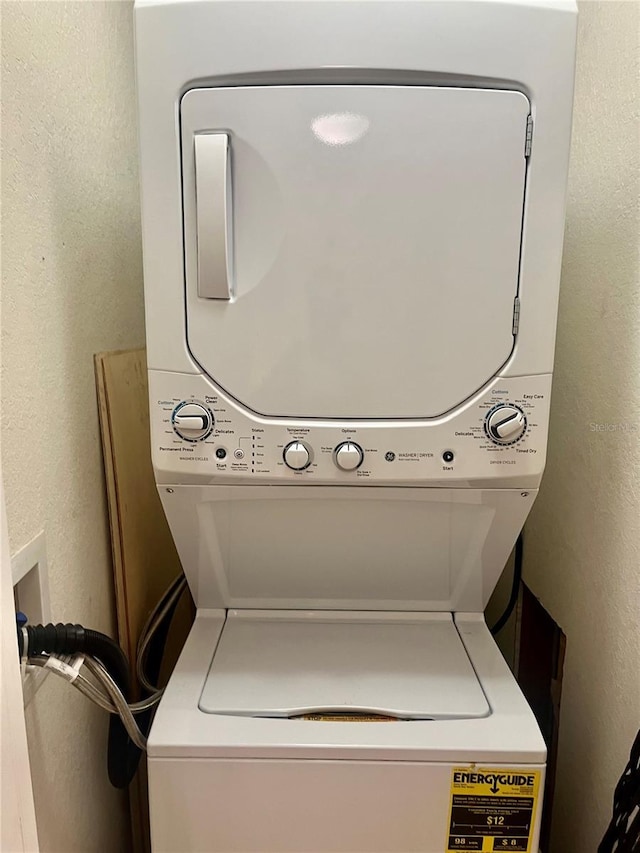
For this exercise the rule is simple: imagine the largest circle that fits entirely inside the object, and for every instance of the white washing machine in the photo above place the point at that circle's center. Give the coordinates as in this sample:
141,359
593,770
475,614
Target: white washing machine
352,219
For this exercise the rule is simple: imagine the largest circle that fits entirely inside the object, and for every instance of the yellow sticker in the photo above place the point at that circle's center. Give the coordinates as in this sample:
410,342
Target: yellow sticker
493,809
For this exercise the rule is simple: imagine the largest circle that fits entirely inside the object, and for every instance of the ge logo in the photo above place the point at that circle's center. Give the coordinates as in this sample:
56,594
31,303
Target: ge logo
390,456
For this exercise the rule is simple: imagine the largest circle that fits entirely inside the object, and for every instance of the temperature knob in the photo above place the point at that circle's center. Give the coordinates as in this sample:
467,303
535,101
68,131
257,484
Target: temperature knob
192,421
505,424
348,456
297,456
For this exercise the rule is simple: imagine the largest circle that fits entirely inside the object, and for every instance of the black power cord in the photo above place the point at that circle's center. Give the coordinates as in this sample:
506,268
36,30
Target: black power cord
623,833
515,587
152,664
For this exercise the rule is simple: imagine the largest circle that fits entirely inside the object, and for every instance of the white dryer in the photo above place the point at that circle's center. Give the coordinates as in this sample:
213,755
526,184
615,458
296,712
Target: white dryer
352,220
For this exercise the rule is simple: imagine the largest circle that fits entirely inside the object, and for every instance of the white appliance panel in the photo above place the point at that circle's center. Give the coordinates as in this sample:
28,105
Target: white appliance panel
339,547
322,806
375,243
182,44
223,783
287,664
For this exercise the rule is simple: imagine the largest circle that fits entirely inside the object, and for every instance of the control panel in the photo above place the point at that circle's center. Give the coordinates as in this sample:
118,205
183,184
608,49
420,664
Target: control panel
200,435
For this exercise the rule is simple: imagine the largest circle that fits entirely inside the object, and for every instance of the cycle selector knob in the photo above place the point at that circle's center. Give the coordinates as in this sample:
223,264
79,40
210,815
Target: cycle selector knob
297,455
348,456
192,421
505,424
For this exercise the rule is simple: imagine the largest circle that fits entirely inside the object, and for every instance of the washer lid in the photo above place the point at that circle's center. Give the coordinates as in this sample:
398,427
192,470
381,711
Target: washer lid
281,664
352,251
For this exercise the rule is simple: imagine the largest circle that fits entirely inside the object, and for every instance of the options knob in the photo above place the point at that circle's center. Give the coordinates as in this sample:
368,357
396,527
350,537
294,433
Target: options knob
348,456
297,456
505,424
192,421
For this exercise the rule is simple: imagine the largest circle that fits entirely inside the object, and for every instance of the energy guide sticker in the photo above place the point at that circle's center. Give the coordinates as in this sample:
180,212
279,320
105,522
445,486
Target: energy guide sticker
492,809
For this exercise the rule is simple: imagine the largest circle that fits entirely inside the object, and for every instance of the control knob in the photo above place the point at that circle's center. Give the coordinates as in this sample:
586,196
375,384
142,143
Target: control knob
192,421
297,455
505,424
348,456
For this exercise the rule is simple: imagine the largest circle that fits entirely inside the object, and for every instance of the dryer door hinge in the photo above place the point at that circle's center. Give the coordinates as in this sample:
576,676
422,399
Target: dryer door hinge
528,140
516,316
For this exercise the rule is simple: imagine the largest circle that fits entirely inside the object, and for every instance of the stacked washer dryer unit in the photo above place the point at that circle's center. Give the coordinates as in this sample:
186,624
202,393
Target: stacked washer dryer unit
353,219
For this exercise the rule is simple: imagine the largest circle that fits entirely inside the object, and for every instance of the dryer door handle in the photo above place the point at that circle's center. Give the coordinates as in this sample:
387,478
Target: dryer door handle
213,214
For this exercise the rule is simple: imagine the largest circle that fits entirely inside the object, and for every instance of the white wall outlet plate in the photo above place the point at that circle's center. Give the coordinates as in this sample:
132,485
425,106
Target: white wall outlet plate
30,577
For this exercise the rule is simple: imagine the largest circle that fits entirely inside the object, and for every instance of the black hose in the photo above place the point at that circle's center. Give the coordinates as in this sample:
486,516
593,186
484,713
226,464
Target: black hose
75,639
123,756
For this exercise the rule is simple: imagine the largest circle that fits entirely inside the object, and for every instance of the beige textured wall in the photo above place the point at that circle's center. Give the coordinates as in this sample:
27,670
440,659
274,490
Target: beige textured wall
583,539
71,286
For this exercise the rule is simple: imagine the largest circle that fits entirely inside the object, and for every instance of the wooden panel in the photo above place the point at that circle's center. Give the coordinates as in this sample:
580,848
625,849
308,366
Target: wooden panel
145,560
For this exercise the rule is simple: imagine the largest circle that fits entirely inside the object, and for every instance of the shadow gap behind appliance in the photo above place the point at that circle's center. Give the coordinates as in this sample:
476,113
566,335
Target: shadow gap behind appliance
353,216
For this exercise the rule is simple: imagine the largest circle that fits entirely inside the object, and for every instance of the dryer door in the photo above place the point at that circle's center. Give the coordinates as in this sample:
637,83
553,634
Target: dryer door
352,251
